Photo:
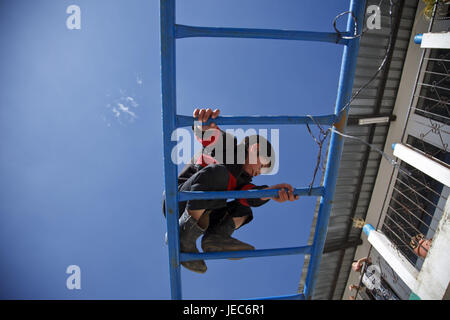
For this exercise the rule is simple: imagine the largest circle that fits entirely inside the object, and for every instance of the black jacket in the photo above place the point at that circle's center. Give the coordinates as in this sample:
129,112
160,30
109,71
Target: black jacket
216,148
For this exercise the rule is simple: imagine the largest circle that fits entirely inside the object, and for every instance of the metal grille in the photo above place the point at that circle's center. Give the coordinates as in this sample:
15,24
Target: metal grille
417,200
416,204
359,164
433,99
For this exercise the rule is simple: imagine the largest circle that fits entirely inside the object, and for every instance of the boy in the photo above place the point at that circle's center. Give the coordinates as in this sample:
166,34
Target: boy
222,165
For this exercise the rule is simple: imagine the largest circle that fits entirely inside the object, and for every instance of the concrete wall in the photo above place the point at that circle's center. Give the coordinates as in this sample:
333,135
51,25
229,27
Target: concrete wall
434,276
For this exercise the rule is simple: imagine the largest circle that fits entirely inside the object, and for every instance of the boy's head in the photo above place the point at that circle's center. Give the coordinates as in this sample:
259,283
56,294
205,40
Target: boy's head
259,155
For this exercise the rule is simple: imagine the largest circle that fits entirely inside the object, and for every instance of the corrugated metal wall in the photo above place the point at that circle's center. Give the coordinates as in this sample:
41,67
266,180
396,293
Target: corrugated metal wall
359,165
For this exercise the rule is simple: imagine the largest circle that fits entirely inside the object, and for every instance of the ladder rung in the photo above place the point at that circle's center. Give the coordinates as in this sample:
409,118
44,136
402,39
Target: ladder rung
297,296
245,194
183,31
244,253
185,121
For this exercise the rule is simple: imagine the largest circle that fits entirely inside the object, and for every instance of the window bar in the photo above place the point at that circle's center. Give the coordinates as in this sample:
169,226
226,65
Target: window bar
433,86
425,186
438,73
431,113
403,218
431,99
423,197
417,205
407,245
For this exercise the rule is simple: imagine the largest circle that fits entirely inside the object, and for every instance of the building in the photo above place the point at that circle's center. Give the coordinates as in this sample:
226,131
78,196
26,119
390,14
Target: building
407,104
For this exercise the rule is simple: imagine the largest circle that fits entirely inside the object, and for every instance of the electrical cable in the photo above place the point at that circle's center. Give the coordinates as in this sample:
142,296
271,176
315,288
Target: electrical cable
323,135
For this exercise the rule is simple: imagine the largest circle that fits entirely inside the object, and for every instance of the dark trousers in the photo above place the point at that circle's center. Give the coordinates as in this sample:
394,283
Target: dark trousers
213,178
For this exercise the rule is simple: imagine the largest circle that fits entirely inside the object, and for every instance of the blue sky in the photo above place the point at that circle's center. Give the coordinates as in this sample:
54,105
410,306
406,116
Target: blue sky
81,148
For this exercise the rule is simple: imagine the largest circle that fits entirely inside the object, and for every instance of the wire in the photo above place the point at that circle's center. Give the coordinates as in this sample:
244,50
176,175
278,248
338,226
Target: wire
383,63
371,146
355,33
392,174
324,133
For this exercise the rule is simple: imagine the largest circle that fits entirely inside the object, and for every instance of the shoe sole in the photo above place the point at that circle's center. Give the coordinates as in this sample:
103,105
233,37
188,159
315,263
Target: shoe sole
222,249
195,270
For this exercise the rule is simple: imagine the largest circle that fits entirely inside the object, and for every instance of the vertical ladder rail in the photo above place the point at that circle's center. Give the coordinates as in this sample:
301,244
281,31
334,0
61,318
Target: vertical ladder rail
168,89
347,74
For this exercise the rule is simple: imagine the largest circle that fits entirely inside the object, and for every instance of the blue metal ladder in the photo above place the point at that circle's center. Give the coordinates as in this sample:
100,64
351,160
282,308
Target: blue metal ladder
170,32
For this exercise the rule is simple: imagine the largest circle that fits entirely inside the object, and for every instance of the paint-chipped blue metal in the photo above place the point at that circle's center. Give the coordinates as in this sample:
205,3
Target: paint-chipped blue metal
368,228
203,195
183,31
167,16
418,38
246,253
347,74
185,121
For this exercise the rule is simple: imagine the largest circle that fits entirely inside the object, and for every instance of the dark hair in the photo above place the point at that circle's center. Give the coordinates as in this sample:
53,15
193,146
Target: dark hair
264,148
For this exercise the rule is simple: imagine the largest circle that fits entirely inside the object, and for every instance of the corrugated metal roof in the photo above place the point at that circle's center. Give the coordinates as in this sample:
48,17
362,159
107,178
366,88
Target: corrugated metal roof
359,165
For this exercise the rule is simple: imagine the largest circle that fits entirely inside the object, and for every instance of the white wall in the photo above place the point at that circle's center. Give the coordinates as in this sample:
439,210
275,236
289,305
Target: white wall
396,129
